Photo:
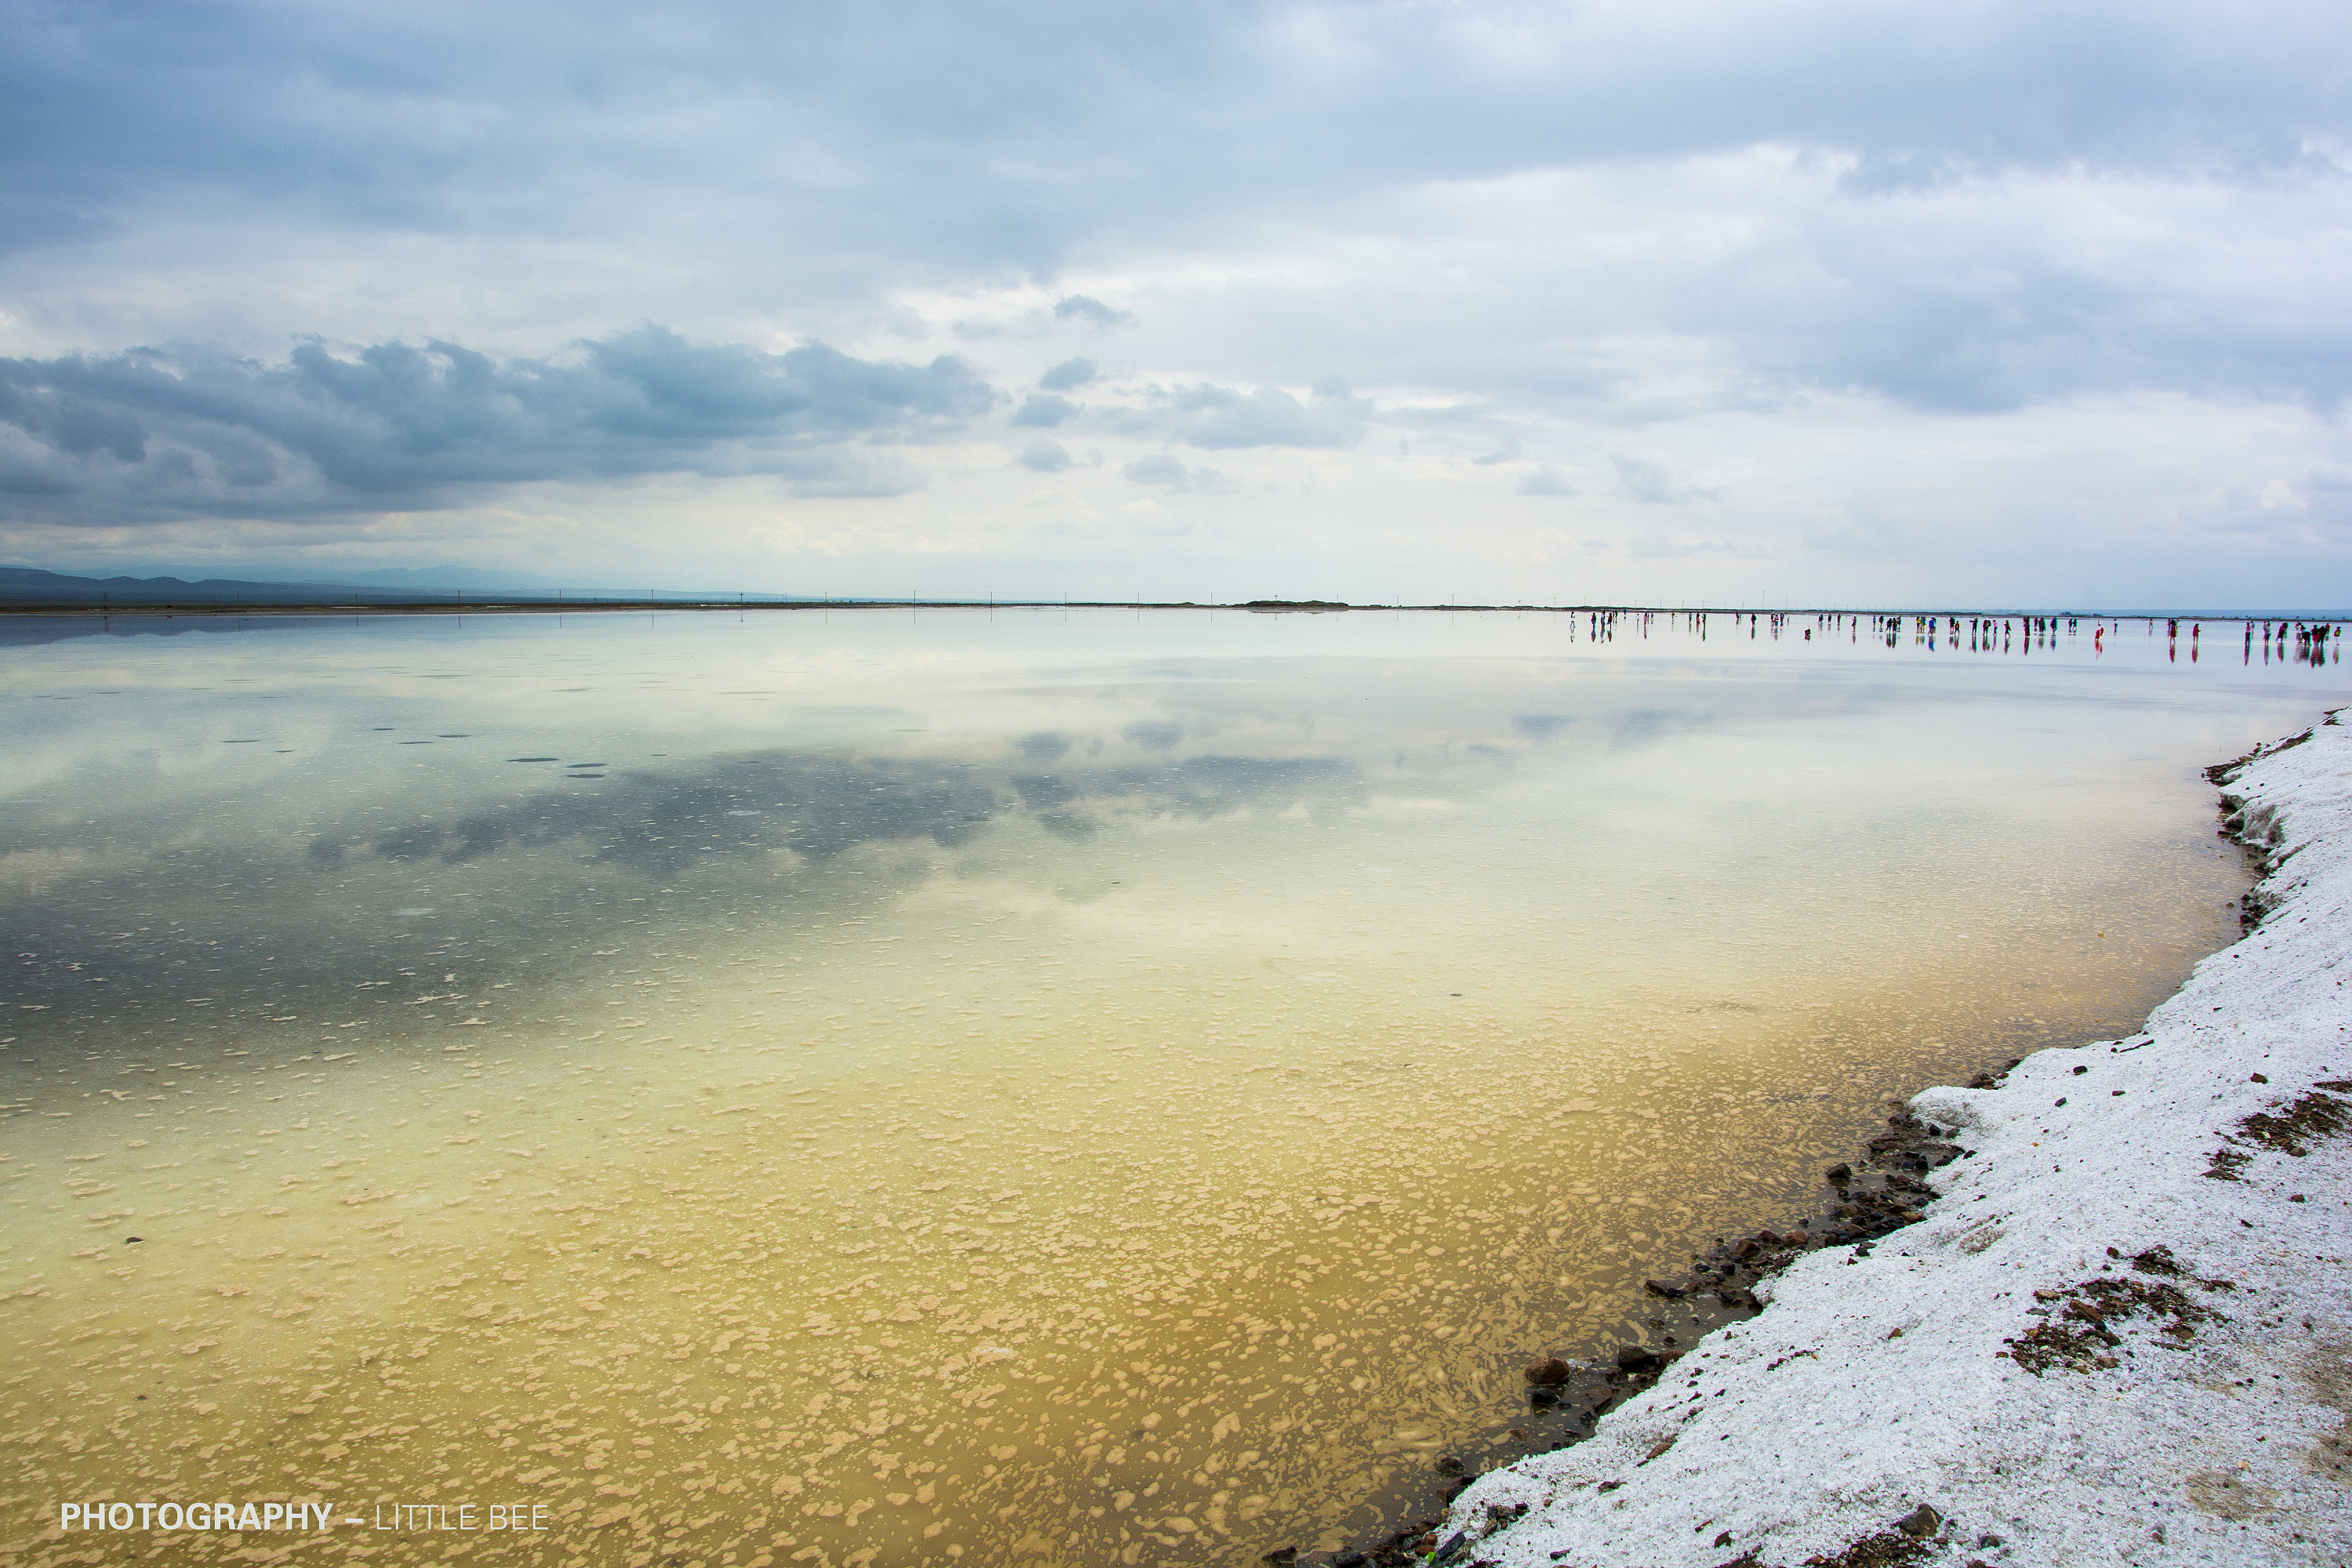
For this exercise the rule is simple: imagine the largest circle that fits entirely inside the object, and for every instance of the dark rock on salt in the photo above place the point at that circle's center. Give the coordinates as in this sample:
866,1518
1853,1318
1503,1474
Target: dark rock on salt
1920,1522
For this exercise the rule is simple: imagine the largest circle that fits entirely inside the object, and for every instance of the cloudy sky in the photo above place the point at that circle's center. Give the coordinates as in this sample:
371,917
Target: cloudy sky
1814,300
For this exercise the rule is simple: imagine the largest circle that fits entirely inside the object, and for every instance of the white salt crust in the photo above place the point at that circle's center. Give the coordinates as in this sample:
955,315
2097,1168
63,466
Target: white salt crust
1870,1386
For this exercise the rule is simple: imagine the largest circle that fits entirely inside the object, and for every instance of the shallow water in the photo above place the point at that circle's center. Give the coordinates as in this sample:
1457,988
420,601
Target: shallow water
1046,1088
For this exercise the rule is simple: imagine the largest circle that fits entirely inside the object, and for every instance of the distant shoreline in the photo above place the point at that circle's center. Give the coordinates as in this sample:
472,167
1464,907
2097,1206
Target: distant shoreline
77,609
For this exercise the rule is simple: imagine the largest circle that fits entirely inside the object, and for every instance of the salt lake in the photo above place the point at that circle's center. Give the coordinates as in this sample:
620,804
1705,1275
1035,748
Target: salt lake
1060,1087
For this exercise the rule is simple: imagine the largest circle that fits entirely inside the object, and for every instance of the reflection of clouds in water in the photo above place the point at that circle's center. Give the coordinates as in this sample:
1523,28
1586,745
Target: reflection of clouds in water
1647,726
529,879
659,824
1541,726
1153,734
820,806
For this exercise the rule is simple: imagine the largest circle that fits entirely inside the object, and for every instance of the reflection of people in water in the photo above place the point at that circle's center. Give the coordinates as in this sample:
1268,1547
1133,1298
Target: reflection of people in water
2099,642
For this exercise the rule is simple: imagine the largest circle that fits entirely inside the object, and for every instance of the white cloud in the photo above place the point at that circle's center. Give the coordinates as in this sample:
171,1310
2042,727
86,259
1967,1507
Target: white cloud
1044,456
1649,479
1043,410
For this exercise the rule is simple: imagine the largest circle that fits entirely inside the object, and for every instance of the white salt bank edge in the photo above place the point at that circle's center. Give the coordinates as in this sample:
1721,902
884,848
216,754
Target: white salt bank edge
1873,1384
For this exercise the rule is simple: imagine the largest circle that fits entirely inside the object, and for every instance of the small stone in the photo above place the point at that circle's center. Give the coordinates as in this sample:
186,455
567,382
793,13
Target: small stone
2260,1079
1281,1556
1548,1373
1450,1465
1920,1522
1543,1398
1638,1358
1841,1172
1655,1288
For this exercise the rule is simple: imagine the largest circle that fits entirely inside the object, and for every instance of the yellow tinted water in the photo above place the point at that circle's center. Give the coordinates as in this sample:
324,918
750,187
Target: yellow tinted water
1165,1164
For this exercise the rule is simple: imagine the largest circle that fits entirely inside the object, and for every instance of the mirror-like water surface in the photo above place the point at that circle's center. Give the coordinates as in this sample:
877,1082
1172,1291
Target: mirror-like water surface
1065,1088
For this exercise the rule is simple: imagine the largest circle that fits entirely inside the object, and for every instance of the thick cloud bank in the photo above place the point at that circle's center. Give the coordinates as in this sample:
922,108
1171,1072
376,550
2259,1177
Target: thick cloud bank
155,433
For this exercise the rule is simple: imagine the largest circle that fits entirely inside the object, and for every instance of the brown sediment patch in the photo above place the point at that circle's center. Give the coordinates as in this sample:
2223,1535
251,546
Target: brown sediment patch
1911,1539
2290,1132
2327,1371
1877,1193
2076,1332
2227,1496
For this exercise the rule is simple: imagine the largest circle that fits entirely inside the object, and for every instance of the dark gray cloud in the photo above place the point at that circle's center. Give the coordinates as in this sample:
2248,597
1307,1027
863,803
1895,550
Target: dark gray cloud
1068,375
194,431
1010,132
1044,411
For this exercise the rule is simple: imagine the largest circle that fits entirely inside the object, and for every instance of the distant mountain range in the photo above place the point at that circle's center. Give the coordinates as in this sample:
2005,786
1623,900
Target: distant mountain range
28,585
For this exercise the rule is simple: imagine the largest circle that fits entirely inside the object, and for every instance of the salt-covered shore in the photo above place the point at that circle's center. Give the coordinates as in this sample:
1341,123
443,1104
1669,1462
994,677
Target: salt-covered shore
2122,1334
